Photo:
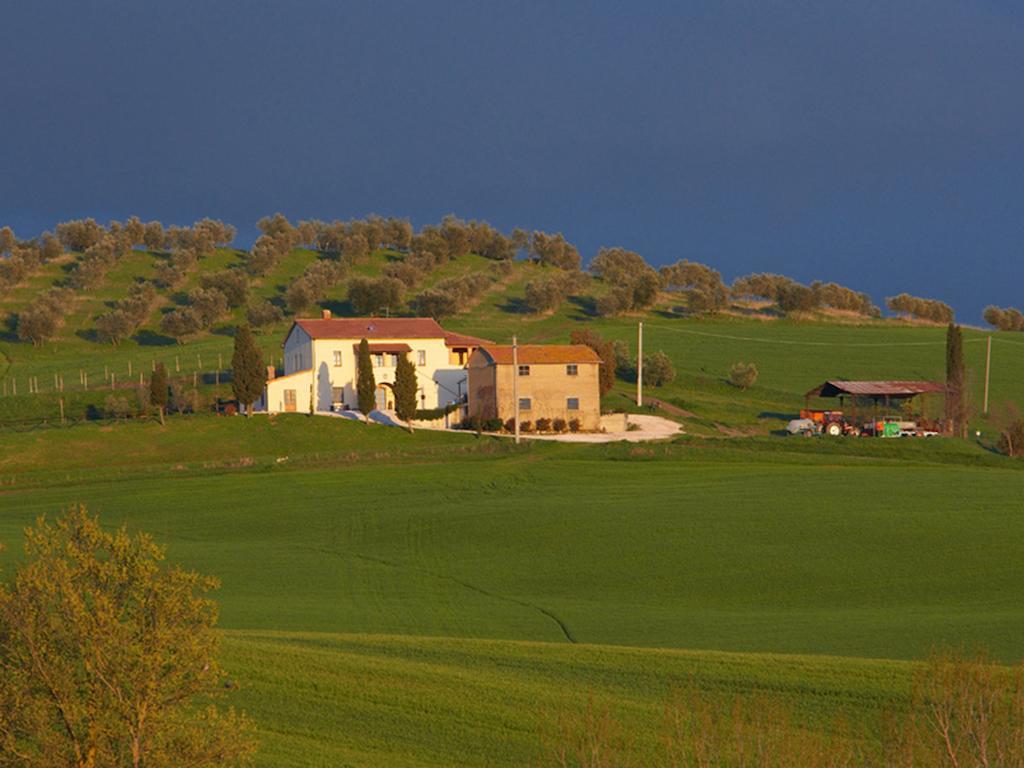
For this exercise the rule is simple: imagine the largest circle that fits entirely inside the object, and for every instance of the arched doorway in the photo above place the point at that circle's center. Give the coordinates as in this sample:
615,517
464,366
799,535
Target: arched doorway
385,398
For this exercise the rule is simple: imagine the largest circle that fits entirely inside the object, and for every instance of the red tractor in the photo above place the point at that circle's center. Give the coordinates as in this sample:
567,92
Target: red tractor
831,423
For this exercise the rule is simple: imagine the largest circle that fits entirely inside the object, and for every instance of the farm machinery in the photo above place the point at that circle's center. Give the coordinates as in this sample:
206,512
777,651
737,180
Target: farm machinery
836,424
873,405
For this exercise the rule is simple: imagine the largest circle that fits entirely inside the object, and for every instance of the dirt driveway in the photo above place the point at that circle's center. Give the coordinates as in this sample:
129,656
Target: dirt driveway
649,428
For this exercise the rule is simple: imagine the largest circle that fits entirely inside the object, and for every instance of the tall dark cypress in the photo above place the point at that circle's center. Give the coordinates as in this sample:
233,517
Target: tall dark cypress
405,390
956,379
248,376
366,385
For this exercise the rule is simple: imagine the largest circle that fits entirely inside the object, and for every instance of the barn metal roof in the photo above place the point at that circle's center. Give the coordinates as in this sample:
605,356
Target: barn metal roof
837,387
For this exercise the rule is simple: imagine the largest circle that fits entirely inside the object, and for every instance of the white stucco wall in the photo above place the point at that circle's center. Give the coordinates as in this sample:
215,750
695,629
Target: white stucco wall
440,381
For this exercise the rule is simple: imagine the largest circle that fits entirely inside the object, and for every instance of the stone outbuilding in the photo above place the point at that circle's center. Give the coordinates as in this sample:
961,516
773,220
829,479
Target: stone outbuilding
555,381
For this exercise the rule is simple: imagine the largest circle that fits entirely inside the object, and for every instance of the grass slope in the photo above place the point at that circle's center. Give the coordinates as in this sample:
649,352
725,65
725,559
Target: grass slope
336,700
677,547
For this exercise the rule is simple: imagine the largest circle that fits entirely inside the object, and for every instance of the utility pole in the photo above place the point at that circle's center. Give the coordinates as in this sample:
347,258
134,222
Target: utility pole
515,387
640,365
988,368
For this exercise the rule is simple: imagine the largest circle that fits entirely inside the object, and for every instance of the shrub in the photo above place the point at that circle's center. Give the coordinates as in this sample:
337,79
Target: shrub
702,285
636,283
546,294
116,407
492,425
526,426
181,322
407,272
922,309
1009,319
554,250
509,425
658,370
262,314
796,297
543,425
430,414
436,304
1011,441
574,425
559,425
369,296
743,375
231,282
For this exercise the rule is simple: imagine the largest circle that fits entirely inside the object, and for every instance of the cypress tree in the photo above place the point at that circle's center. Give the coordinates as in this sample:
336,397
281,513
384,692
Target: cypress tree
248,376
366,385
956,394
158,390
405,390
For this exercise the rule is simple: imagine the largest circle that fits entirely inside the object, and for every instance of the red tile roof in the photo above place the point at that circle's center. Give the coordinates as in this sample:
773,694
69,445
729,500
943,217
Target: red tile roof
462,340
372,328
541,354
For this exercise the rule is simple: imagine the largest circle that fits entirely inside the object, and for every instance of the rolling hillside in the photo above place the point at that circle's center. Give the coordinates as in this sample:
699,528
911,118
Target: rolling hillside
791,355
435,598
438,599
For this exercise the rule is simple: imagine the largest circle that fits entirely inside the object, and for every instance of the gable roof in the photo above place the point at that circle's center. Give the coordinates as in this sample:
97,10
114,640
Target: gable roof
836,387
372,328
462,340
541,354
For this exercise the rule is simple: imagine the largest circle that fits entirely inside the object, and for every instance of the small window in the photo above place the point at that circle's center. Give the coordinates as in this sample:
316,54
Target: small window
378,360
337,395
337,358
421,357
571,370
572,403
525,404
524,370
393,361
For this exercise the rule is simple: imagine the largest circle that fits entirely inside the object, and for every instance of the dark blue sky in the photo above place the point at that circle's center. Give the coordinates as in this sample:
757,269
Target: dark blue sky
878,144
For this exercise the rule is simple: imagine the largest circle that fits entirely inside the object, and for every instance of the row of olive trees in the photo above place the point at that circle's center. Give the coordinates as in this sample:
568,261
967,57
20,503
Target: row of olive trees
20,258
792,296
932,310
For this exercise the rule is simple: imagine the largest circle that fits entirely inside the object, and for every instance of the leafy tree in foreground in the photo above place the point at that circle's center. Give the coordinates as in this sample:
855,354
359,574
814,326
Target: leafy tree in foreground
107,653
248,376
406,390
366,384
159,390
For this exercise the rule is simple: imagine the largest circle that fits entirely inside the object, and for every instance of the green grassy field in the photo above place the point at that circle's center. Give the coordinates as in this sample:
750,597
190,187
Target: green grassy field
434,599
431,599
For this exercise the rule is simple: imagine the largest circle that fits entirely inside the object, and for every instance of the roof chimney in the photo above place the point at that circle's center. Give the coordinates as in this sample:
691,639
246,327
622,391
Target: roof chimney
271,373
325,314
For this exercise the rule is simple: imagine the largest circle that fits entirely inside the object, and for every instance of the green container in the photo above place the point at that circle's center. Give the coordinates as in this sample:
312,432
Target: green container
890,429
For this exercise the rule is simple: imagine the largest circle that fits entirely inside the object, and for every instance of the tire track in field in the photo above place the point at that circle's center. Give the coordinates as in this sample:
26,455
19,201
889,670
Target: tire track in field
562,626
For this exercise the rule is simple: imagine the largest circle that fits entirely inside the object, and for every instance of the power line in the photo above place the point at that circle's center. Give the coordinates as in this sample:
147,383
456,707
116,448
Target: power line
790,342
